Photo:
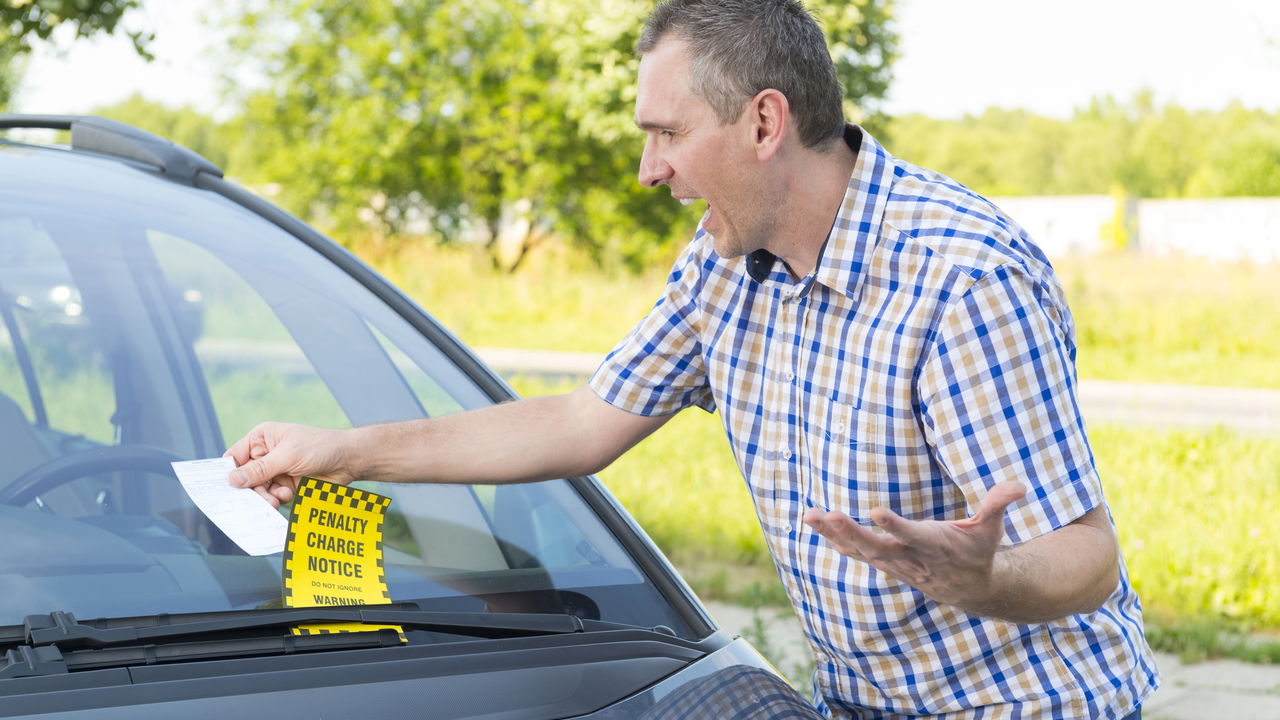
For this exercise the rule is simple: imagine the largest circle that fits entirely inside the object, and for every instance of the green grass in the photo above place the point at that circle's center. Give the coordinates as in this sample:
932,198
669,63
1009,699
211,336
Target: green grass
1196,638
1148,319
552,304
1196,513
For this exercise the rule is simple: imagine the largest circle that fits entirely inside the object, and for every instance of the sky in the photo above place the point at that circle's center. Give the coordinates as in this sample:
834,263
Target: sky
956,57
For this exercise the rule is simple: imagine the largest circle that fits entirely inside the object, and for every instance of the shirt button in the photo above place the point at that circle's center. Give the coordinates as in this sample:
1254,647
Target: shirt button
786,454
791,376
789,528
839,427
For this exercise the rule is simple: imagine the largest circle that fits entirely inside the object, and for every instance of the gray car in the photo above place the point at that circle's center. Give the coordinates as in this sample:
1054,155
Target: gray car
150,312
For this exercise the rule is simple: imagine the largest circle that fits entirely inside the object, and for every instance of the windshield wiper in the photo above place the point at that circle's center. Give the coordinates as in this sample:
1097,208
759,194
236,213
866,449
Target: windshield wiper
28,661
58,643
63,630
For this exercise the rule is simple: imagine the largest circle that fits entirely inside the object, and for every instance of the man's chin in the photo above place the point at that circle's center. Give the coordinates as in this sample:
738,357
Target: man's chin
726,247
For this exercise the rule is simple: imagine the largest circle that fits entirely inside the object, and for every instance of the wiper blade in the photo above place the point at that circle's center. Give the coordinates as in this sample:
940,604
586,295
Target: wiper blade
61,629
11,635
27,661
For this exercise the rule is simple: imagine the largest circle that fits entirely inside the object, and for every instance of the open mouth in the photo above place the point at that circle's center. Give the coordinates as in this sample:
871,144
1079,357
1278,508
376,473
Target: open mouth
686,201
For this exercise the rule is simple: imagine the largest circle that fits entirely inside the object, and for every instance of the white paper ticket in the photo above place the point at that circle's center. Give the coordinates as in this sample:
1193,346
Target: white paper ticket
241,513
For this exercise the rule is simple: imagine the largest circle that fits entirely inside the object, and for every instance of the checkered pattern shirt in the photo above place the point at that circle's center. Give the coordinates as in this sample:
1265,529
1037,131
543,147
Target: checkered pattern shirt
928,356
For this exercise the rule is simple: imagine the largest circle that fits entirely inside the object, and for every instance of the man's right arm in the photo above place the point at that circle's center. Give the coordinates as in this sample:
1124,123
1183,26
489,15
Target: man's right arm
522,441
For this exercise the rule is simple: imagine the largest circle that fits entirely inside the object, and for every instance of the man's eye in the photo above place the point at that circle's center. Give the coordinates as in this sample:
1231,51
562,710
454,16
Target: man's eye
668,134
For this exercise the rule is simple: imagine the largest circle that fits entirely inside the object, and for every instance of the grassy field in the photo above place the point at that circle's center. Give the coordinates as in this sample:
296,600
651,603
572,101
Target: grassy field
1197,322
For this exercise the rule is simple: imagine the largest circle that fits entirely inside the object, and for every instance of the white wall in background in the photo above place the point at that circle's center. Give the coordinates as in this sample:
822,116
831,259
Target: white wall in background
1220,228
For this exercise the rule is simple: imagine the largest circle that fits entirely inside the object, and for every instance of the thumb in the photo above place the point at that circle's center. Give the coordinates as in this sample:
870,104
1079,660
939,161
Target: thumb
998,499
255,472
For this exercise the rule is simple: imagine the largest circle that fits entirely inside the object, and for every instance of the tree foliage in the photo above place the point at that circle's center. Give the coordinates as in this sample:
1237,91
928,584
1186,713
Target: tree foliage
498,121
24,20
10,72
1136,147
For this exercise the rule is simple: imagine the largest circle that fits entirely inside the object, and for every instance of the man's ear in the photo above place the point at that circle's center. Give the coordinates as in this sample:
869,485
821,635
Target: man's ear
770,121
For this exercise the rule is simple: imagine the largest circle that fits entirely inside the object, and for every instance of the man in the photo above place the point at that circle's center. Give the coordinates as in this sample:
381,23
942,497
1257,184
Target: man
894,364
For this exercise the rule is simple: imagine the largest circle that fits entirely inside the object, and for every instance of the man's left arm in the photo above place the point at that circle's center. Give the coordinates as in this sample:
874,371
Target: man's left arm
997,401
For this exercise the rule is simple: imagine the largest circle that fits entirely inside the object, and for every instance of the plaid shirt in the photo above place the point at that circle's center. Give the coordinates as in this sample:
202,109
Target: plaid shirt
928,356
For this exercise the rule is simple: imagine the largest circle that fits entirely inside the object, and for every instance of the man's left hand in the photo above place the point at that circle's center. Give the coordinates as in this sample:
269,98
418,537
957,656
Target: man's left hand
950,561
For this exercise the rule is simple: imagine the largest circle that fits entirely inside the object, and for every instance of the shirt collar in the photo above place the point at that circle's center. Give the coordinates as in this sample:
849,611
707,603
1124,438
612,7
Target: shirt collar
853,236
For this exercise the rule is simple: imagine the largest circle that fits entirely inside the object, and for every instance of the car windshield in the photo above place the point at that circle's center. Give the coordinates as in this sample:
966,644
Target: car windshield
142,322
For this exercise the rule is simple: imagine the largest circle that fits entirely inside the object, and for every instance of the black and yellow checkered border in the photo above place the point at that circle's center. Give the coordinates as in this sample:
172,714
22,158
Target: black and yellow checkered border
354,498
356,627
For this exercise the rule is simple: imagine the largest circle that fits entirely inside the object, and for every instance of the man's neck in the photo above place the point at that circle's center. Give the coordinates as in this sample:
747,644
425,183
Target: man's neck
812,194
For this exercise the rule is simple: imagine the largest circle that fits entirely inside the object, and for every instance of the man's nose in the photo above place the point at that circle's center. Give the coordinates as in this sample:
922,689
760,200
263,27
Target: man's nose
654,171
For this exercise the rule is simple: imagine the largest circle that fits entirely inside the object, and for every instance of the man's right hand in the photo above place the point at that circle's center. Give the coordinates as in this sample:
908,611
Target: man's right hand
273,457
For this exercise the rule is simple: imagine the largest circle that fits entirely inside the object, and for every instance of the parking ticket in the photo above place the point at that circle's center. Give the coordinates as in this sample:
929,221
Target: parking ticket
333,555
245,517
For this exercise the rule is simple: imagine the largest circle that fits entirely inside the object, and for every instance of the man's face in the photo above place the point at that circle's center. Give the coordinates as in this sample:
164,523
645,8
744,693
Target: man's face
688,149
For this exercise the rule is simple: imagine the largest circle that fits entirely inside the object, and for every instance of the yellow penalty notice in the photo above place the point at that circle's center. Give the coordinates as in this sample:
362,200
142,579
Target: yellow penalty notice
333,552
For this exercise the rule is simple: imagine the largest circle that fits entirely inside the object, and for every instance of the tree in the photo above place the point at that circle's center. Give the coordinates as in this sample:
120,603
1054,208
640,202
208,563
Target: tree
10,72
487,120
1136,148
864,45
22,20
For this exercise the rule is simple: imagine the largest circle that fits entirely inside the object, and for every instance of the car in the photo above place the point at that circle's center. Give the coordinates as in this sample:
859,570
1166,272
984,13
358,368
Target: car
152,311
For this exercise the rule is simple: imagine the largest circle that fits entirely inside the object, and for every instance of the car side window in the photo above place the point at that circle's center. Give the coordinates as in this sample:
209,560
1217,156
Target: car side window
435,400
51,364
252,366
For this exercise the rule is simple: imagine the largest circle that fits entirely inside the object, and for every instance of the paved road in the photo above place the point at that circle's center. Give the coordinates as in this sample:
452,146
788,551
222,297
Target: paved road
1245,410
1213,689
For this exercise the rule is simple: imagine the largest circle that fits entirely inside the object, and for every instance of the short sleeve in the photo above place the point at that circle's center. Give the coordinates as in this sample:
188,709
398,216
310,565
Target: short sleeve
658,368
998,401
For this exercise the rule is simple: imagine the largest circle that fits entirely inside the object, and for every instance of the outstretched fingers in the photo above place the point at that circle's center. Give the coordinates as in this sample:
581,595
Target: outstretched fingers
908,532
850,538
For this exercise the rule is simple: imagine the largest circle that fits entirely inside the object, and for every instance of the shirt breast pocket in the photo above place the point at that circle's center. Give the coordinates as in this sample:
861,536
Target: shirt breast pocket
849,458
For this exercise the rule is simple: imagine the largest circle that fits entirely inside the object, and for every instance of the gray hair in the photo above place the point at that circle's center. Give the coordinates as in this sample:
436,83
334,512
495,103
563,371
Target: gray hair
739,47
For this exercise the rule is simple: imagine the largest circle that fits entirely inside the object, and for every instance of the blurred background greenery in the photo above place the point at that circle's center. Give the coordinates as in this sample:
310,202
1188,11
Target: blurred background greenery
481,154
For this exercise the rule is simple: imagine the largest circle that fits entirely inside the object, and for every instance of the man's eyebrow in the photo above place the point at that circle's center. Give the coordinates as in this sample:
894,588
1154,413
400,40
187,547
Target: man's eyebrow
648,125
